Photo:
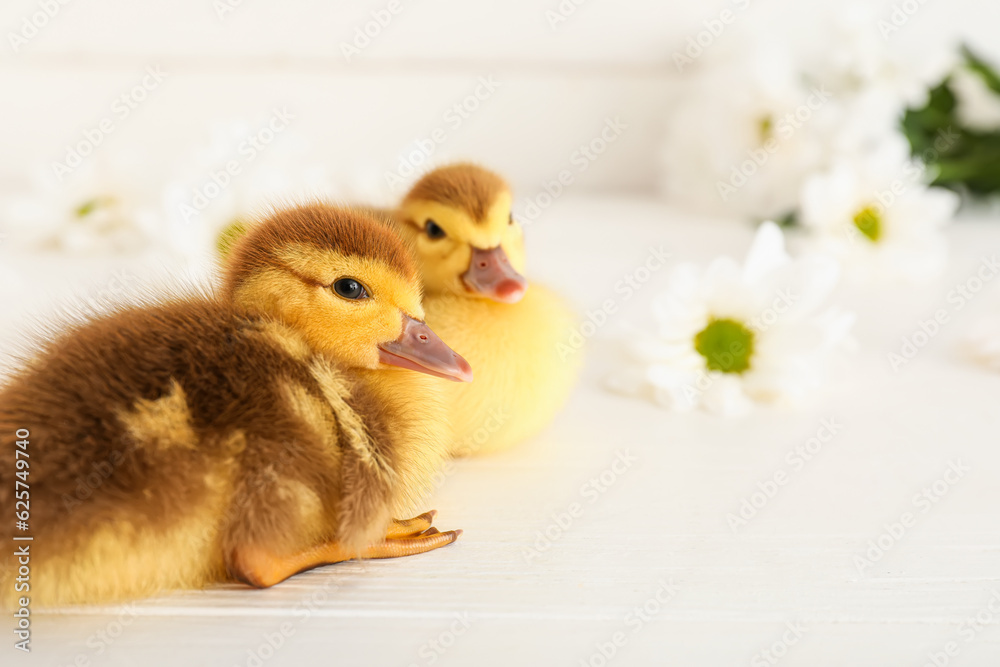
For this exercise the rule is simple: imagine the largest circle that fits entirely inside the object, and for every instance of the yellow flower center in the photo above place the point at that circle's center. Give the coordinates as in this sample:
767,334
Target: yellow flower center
869,222
765,129
92,205
726,344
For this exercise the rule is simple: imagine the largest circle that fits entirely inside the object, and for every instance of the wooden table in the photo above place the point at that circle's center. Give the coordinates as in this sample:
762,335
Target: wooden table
643,566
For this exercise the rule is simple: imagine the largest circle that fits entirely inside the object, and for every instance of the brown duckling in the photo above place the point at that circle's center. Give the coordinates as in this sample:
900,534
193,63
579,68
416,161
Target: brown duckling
248,436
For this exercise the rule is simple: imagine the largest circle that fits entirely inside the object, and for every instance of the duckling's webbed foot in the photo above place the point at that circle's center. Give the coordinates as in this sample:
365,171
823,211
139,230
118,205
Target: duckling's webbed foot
428,540
410,527
408,537
261,569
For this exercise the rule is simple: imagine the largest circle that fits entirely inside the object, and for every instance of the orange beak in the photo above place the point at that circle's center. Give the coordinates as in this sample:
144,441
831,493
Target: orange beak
491,275
419,349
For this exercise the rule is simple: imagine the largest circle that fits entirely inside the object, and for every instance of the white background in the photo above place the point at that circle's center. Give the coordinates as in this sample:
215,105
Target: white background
357,117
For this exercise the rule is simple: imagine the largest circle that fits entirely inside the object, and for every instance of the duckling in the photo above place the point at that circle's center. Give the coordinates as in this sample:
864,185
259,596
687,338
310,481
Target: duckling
270,428
470,250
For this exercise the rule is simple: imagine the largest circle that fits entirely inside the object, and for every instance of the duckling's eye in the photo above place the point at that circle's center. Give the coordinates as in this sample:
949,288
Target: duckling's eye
511,222
434,230
349,288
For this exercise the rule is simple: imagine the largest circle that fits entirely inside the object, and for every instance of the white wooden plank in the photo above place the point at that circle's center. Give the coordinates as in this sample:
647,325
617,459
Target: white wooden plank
448,32
352,129
429,30
664,519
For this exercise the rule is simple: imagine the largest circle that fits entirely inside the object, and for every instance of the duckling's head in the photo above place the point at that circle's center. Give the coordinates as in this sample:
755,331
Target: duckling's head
465,237
346,282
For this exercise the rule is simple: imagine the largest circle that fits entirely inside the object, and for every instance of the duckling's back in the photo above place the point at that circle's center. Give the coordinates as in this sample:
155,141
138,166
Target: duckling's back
155,433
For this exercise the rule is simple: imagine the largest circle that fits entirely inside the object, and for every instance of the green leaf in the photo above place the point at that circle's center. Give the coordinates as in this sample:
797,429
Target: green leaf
787,220
969,161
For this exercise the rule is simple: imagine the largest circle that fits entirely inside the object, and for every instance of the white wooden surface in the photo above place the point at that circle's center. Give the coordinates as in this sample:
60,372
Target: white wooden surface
662,521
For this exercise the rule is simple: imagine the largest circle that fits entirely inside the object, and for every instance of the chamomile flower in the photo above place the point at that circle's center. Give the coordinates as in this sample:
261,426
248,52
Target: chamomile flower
95,210
729,335
743,135
875,214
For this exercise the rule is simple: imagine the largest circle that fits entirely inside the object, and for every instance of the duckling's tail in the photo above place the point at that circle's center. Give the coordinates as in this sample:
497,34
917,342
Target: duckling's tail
115,563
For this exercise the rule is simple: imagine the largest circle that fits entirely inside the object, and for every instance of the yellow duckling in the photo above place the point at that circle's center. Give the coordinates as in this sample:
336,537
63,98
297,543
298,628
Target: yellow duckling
471,256
246,436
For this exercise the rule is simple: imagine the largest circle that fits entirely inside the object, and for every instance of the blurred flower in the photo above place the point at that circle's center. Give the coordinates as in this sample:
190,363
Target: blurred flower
225,183
852,56
856,124
875,215
112,204
731,335
740,140
760,115
95,210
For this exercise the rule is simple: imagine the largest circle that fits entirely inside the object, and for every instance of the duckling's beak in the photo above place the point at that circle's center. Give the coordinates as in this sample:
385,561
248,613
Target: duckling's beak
419,349
491,275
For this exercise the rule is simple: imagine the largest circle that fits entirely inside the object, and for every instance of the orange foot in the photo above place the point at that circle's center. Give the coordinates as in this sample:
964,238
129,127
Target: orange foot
261,569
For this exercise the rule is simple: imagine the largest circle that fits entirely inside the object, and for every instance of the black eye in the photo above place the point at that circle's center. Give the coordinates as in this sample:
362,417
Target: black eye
434,230
349,288
511,222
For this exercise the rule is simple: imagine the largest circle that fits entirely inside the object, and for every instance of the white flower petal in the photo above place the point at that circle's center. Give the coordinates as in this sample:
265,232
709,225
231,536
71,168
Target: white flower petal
652,349
830,198
799,289
766,254
725,397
